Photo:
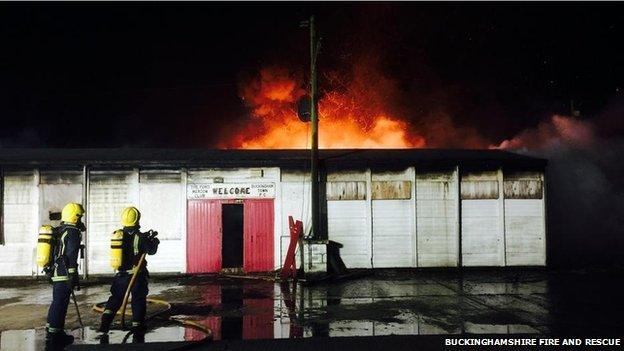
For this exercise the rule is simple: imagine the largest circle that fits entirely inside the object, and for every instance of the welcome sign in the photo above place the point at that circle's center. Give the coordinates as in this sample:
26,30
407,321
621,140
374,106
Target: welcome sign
231,191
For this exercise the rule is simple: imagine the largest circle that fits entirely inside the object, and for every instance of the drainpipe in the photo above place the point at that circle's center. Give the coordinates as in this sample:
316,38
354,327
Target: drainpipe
85,204
459,221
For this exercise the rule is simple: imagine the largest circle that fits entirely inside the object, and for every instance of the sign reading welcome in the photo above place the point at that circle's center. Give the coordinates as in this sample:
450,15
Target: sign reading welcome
231,190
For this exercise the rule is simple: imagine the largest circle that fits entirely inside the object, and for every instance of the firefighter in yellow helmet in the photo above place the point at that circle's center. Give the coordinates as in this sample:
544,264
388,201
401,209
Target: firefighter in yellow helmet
64,271
133,245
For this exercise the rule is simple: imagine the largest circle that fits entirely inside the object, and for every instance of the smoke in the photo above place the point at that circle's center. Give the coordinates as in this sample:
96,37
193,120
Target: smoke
559,131
585,194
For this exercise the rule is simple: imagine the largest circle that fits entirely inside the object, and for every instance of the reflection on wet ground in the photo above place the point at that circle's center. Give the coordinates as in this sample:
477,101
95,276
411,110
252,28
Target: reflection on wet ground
383,303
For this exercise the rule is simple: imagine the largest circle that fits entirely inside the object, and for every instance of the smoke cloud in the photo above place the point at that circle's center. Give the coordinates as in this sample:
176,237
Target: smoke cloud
585,194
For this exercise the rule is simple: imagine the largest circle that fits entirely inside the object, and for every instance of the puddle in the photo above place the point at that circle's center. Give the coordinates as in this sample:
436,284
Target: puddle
399,304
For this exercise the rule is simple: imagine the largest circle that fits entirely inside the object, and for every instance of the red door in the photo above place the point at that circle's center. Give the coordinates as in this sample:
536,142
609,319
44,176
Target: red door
203,243
258,235
204,235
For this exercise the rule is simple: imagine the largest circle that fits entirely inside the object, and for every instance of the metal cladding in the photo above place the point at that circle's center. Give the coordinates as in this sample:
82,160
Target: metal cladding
258,235
386,208
204,236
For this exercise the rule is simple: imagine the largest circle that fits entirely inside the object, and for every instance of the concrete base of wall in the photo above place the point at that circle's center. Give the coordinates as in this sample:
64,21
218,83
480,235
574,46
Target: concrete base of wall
315,258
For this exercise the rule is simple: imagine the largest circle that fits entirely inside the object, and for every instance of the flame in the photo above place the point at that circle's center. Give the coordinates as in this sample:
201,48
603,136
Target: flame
356,115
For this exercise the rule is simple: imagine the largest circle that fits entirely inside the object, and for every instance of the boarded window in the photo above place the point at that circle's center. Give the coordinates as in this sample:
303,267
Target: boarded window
479,189
110,178
63,177
346,190
523,189
57,188
392,190
159,177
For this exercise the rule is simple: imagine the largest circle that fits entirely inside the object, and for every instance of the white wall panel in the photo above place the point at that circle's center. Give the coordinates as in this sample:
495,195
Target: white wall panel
162,209
109,194
525,235
20,224
482,222
58,188
349,224
393,234
296,203
393,216
482,239
436,220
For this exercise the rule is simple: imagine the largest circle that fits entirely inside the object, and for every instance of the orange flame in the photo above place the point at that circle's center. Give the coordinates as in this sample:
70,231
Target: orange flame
362,109
354,117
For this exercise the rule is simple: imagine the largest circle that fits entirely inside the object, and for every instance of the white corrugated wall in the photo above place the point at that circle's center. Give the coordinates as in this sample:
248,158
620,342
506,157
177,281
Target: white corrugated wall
393,213
524,219
349,218
436,219
162,206
58,188
21,196
295,200
482,227
417,232
109,193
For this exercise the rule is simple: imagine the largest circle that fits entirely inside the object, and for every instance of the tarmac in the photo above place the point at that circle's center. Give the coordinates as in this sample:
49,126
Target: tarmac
404,306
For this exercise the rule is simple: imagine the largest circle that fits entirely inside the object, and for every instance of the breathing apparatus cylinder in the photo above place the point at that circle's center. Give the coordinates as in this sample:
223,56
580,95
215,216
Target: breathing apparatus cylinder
116,253
45,246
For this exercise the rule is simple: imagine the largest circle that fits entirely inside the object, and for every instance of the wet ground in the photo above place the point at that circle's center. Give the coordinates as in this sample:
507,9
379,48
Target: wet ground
405,302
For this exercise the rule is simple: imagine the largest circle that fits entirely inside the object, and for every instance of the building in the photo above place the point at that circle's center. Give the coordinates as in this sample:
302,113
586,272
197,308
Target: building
218,209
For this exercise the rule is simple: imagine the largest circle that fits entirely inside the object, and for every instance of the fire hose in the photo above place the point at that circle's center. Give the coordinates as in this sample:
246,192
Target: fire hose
187,323
130,286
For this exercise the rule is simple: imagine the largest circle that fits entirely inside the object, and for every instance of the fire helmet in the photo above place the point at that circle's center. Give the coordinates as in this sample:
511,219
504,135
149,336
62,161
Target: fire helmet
130,217
72,212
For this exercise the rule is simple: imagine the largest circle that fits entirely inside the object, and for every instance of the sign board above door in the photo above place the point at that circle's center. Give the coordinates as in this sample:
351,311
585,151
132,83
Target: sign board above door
231,190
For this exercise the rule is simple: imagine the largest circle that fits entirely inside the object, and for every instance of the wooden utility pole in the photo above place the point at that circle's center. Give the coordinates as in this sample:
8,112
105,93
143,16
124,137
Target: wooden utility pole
314,134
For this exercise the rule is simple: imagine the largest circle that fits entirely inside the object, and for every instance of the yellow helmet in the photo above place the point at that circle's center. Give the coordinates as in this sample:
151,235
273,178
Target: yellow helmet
130,217
72,212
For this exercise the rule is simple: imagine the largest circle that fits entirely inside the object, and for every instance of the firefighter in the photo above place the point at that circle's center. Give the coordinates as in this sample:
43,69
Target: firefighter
133,245
64,271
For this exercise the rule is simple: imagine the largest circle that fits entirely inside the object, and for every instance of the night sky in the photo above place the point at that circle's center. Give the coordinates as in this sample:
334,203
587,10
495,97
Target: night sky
168,75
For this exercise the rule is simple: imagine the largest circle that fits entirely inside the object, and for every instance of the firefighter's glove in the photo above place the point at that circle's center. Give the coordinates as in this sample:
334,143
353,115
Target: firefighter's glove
151,234
48,271
75,281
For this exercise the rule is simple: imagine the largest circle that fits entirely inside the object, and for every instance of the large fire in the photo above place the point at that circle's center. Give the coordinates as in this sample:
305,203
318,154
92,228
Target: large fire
360,111
355,115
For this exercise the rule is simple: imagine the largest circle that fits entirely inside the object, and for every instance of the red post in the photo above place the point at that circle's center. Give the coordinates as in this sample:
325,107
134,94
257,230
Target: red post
289,269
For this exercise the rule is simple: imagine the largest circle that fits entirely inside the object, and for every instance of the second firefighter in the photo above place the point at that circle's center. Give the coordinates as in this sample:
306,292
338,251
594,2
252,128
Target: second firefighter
128,245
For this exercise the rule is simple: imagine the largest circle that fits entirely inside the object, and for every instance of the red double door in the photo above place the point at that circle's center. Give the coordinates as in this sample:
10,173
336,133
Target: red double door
205,235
